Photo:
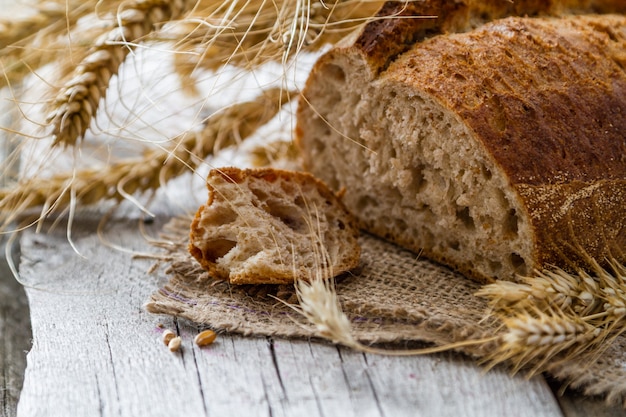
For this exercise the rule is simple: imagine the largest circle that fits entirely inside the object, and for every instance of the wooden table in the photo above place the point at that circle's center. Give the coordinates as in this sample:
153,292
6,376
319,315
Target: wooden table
96,352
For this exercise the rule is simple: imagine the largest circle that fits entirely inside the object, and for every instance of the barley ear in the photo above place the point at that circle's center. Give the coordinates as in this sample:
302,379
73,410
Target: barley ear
77,101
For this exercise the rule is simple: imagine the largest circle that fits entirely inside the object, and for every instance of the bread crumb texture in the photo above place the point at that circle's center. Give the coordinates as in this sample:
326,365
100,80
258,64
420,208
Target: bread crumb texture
269,226
496,151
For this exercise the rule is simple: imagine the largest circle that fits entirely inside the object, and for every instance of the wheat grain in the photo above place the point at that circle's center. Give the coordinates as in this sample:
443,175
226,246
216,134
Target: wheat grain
547,287
18,30
174,344
78,100
272,154
205,338
167,336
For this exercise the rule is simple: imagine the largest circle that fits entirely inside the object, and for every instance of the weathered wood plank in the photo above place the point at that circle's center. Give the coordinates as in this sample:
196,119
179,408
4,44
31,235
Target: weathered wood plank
16,337
449,383
96,352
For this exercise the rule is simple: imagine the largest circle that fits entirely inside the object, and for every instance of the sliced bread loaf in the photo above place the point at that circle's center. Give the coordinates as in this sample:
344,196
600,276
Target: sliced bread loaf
496,152
268,226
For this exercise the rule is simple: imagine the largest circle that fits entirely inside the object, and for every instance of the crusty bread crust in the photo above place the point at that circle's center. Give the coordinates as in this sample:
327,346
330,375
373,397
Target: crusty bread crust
543,98
558,135
270,226
382,40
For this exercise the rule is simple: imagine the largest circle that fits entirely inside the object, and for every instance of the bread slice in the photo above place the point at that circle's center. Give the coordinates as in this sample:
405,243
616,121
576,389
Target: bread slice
268,226
496,152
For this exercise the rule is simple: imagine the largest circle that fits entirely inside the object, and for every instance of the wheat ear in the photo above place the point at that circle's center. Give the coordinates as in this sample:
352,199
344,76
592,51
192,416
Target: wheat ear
157,166
532,340
78,100
13,30
598,294
558,315
27,44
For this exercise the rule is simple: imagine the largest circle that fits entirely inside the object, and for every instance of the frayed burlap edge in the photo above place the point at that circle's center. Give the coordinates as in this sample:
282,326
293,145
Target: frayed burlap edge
392,297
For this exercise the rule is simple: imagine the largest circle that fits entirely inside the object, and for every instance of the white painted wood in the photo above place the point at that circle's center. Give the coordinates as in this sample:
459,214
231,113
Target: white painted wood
96,352
448,383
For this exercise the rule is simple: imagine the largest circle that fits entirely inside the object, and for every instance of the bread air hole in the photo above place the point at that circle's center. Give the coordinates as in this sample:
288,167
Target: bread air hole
466,219
260,194
518,263
335,73
220,215
286,214
301,202
217,248
486,172
418,182
366,202
510,226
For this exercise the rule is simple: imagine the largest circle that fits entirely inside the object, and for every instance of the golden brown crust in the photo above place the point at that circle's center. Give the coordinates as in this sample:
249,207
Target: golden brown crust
577,220
399,24
547,99
520,88
385,38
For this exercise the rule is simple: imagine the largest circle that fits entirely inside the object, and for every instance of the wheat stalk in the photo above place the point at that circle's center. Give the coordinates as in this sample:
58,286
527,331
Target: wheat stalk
548,287
78,100
156,166
257,32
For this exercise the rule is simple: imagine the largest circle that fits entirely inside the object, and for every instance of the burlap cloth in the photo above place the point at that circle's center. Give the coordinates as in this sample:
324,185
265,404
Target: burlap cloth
392,297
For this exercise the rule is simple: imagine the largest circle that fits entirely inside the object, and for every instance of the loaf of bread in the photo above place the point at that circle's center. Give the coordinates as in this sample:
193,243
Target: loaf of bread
268,226
496,151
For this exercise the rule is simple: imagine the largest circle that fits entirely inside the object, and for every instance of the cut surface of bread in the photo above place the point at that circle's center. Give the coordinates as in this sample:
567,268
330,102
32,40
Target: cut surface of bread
496,152
269,226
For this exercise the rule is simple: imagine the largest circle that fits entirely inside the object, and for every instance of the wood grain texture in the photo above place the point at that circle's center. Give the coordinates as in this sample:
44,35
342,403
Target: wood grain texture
15,338
96,352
